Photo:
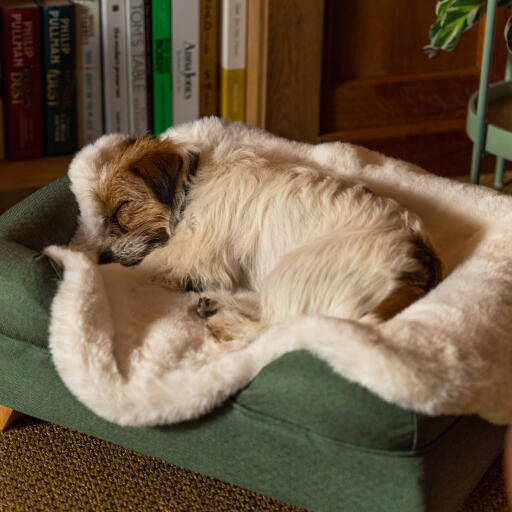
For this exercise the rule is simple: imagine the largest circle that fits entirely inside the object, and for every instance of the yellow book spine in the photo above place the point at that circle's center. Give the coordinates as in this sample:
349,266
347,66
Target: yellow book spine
233,59
233,94
209,58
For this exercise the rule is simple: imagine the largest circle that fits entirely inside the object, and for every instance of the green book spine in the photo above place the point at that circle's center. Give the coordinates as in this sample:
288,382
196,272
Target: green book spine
162,77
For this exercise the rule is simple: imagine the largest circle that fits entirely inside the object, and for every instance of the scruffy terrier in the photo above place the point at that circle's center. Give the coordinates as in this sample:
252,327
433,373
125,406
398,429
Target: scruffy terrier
262,233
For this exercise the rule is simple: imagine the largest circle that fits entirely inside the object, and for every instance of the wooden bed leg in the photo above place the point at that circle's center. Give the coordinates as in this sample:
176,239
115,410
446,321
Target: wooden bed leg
7,417
507,456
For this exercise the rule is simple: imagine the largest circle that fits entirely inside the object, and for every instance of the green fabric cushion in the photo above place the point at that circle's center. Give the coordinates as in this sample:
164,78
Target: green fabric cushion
28,279
298,432
318,400
271,455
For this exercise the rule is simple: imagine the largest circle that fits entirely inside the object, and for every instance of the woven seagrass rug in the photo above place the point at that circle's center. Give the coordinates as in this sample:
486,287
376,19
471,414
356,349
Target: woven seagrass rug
48,468
44,467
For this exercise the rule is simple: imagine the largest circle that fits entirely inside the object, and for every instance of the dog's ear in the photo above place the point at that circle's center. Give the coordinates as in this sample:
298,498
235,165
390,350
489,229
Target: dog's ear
160,171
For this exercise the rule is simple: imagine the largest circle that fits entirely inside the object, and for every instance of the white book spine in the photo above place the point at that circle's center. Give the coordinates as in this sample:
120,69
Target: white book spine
115,75
88,71
137,86
185,60
233,34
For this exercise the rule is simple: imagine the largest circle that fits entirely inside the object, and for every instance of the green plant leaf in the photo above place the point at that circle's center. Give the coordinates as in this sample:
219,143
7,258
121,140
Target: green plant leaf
454,17
508,34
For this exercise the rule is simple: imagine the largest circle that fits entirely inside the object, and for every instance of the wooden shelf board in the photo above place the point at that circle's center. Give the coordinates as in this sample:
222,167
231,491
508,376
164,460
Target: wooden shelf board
31,174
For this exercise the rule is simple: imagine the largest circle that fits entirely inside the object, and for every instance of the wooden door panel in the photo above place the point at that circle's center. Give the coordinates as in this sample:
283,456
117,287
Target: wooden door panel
385,38
375,76
390,101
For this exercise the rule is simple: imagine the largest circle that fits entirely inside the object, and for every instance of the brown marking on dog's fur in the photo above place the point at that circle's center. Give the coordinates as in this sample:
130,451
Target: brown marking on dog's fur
157,162
142,191
412,285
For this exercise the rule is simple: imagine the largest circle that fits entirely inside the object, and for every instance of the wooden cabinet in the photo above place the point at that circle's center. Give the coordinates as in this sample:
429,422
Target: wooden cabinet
369,82
377,81
284,71
380,91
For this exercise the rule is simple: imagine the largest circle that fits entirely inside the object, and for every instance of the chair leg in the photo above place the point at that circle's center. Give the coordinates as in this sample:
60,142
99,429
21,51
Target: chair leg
7,417
479,143
498,173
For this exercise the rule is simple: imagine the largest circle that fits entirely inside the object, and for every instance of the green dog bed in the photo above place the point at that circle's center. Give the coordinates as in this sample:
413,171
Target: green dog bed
299,432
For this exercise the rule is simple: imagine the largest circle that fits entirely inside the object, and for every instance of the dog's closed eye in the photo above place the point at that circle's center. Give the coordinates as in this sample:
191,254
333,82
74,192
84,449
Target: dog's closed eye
121,217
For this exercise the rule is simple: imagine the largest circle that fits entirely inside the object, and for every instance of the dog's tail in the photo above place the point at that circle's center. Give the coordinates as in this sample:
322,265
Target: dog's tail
412,285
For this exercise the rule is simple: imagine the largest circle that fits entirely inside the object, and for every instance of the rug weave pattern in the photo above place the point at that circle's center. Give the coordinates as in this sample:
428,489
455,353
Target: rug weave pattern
45,467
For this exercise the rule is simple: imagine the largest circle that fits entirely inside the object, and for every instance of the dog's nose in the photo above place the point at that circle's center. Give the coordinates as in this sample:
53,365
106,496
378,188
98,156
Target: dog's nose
105,256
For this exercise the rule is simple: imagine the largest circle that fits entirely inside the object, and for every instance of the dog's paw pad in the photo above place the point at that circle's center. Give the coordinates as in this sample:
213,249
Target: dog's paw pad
206,307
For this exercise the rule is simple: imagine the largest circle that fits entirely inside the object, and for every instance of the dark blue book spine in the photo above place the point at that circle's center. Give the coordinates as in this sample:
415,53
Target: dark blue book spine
57,27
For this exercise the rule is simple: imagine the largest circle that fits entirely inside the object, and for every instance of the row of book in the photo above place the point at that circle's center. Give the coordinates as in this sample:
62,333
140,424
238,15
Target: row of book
75,69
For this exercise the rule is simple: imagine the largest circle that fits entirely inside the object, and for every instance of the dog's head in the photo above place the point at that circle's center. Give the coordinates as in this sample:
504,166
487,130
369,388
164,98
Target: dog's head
131,193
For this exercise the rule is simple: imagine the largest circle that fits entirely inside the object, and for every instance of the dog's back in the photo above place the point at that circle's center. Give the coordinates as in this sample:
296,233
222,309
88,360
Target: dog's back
309,243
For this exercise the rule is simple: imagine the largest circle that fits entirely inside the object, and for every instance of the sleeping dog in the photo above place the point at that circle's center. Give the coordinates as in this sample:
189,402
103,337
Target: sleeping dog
262,234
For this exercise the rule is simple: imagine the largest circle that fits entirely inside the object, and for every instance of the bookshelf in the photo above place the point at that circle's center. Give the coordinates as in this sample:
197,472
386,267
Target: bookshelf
284,62
284,67
19,178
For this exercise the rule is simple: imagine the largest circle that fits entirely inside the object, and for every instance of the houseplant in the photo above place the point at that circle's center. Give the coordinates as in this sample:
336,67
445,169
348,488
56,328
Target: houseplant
454,17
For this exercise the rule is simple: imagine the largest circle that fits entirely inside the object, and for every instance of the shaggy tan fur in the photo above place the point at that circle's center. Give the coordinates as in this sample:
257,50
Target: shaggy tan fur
265,238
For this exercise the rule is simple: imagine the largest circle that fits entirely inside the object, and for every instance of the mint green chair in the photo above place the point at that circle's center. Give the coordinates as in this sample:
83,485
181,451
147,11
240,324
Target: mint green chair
489,138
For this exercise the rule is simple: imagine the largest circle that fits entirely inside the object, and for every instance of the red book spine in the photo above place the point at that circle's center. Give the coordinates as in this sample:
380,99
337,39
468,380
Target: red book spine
23,99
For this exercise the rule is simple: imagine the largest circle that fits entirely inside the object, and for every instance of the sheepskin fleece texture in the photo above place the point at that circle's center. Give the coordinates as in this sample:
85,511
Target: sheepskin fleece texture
137,354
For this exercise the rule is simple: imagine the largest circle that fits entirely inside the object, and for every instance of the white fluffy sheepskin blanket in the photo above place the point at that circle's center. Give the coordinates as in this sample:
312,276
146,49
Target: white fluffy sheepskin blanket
137,354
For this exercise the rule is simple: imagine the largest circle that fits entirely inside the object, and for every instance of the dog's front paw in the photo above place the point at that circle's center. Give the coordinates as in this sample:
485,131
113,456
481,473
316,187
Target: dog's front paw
206,307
